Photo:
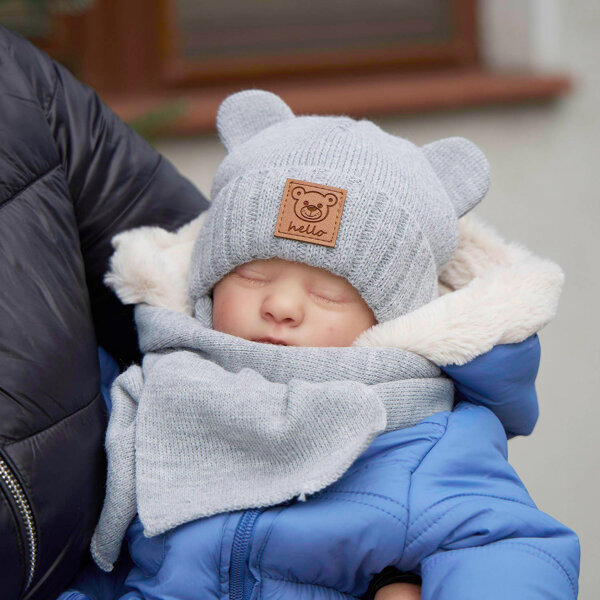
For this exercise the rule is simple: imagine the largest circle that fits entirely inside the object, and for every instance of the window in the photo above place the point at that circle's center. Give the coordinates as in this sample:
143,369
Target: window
169,63
219,39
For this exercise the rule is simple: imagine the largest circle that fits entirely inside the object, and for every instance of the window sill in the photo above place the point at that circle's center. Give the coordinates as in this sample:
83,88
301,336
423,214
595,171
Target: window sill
191,112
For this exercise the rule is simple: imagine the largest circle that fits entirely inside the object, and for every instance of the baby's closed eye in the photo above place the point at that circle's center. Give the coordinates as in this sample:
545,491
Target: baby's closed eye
251,274
330,296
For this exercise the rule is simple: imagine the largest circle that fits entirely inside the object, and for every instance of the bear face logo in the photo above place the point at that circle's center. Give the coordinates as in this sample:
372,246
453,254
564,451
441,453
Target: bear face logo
310,212
312,206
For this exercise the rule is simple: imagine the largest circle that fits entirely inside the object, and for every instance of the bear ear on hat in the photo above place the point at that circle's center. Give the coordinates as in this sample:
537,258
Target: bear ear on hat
244,114
463,170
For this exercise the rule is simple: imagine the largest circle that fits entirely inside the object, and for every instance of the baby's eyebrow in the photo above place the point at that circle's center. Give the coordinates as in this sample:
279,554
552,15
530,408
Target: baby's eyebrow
328,284
254,264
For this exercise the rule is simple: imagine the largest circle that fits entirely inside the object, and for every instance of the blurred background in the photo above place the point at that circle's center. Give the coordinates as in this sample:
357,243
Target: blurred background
518,77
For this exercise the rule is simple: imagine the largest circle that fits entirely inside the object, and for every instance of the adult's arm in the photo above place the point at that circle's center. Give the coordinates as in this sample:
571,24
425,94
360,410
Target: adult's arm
116,180
71,176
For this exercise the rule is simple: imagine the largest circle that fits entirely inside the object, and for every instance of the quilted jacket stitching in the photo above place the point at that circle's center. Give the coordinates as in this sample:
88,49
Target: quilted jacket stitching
263,548
6,45
524,547
433,445
52,98
57,423
423,514
382,496
21,190
355,470
317,585
395,517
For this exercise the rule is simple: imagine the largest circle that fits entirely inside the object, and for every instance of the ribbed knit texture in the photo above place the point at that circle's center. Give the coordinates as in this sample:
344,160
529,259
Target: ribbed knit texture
213,423
400,220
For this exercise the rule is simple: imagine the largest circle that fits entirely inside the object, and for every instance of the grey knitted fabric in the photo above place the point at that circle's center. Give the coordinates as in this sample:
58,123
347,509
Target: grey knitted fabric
399,224
214,423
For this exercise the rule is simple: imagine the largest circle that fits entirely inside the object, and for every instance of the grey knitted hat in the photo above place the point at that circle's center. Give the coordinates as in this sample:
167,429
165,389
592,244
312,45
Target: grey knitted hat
338,194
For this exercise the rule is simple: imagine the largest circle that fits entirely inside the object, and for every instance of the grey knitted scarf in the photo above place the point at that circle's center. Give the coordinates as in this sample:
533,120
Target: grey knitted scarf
213,423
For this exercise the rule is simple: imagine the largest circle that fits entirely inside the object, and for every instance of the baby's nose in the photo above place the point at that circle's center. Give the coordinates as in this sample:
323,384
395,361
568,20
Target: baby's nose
283,306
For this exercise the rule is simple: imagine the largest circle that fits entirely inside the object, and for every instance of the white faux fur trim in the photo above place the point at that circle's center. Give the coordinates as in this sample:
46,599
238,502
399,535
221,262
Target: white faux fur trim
499,294
151,265
491,292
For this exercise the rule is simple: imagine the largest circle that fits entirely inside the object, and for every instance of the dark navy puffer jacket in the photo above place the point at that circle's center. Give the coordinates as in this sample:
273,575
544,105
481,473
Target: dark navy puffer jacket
71,177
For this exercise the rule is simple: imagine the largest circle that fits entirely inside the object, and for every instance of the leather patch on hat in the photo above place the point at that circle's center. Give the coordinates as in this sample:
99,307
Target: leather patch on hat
310,212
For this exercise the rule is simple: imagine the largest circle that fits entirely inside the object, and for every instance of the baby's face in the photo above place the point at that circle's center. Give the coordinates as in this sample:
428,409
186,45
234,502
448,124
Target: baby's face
289,303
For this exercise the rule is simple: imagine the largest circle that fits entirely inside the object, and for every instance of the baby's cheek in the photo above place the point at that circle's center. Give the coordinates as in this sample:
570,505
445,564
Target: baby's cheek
328,334
217,317
336,334
233,312
223,312
344,331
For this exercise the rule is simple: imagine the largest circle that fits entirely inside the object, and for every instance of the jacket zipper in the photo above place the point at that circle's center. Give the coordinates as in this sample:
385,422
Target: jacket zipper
16,492
241,579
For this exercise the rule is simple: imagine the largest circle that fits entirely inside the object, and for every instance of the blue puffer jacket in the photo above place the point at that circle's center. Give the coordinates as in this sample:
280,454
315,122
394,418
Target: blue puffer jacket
439,499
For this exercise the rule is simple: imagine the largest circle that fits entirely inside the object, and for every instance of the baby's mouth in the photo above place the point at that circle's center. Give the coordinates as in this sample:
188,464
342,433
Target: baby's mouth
269,340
